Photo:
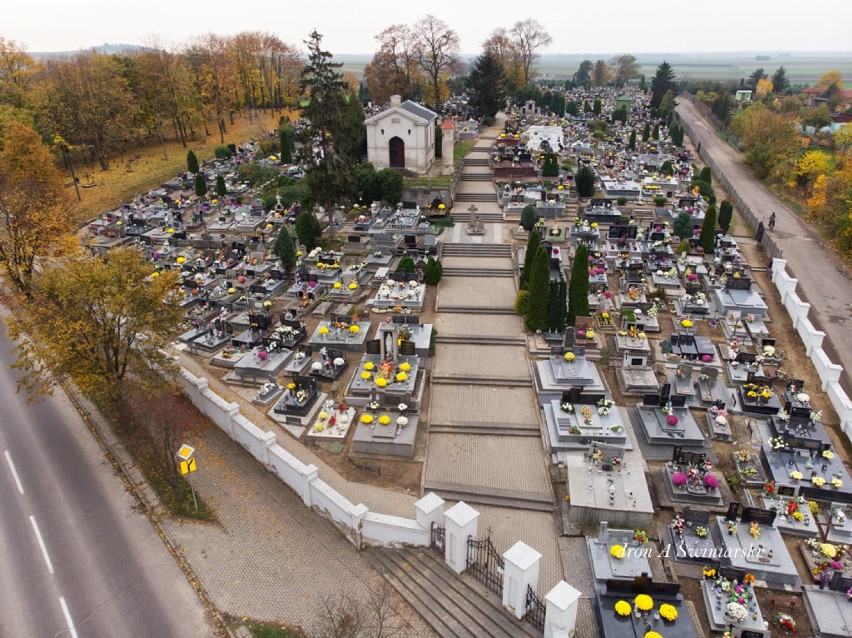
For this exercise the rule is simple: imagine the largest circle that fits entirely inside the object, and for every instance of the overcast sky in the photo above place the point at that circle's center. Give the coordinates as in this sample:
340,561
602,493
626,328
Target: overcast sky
348,26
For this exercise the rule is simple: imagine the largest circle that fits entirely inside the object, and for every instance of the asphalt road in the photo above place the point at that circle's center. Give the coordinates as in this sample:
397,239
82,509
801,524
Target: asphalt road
75,558
824,282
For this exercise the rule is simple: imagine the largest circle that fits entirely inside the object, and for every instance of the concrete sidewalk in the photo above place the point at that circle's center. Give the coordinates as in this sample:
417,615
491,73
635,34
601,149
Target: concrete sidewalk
824,281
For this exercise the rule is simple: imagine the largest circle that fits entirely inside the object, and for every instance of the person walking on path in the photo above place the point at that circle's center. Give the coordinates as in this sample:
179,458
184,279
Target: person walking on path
772,221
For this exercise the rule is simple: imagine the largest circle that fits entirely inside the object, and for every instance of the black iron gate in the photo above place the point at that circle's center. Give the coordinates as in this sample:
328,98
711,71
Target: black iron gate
437,540
535,610
485,564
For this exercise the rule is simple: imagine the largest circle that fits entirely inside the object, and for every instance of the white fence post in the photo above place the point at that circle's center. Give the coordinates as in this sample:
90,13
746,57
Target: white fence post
430,509
521,563
460,523
560,618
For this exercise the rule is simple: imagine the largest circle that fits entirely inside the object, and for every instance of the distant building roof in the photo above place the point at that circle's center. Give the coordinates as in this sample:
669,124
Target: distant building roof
447,125
811,90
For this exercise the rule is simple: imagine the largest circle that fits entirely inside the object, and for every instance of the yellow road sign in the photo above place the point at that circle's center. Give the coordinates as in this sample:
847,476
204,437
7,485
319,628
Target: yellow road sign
185,452
188,466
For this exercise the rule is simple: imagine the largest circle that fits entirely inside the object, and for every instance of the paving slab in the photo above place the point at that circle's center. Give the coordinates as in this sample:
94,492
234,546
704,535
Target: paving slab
499,362
476,404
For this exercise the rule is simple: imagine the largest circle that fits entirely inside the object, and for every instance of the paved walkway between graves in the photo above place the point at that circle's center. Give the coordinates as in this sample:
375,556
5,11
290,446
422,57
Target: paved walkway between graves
824,282
505,465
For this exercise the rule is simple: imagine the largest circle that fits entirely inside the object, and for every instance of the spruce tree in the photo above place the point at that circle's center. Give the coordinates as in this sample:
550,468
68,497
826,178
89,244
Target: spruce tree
308,230
708,231
533,244
200,185
662,83
539,282
578,287
221,189
191,162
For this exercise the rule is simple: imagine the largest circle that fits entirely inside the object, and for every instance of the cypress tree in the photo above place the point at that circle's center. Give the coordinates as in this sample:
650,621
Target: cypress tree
533,244
552,306
578,287
200,185
596,109
726,215
646,132
706,175
708,231
191,162
562,308
656,134
287,139
539,282
221,189
285,249
632,144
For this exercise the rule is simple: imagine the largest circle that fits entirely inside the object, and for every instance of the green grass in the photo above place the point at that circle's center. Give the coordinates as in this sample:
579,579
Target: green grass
267,630
460,151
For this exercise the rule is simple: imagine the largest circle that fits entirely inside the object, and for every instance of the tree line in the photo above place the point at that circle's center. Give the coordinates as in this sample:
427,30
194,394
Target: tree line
97,103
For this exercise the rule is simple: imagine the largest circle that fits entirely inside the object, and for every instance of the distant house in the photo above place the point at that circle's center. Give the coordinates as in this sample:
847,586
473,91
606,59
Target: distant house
743,96
402,136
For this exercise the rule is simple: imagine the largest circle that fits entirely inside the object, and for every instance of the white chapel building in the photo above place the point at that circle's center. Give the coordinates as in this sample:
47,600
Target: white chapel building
402,136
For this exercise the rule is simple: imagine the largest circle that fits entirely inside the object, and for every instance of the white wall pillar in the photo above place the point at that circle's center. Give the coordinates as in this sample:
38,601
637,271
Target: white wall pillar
430,509
560,617
520,570
460,522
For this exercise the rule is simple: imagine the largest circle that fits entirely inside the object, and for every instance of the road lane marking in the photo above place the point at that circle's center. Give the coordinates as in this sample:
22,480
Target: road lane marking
41,544
14,473
67,617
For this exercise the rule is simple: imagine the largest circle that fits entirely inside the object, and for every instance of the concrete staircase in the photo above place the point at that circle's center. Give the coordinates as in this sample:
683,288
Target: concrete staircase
476,250
479,272
463,215
485,198
476,161
468,379
453,606
514,499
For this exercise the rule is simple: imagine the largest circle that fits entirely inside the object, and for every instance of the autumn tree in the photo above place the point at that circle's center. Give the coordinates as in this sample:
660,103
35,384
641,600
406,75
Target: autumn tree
500,45
625,67
780,81
764,88
830,204
662,82
810,166
769,139
33,219
436,50
830,83
528,38
98,320
214,79
393,69
486,84
601,73
88,101
17,74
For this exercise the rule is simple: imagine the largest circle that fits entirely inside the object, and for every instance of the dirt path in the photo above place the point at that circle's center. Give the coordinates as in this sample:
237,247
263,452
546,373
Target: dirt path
824,282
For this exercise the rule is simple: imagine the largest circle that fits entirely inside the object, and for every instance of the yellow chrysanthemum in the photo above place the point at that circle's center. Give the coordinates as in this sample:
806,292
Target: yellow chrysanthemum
616,551
405,367
366,375
369,366
367,418
401,377
381,382
644,602
384,419
623,608
669,612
